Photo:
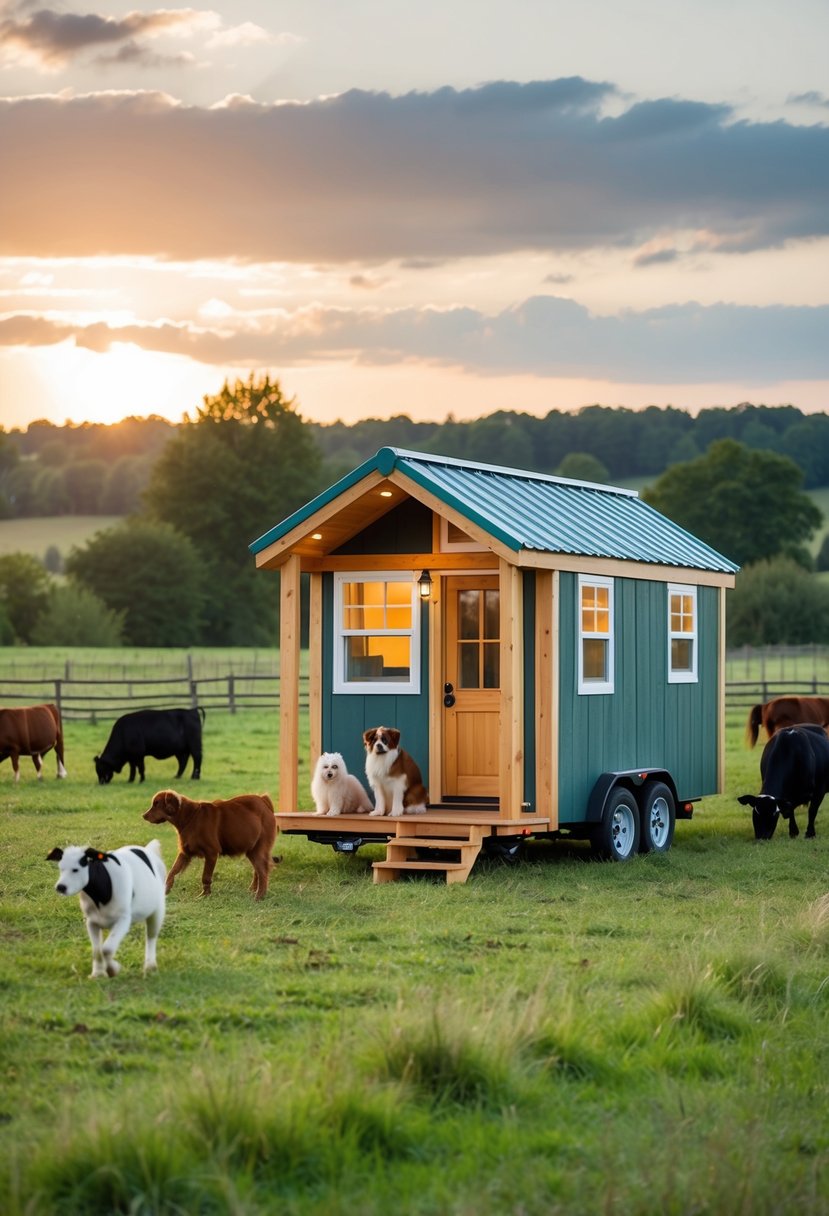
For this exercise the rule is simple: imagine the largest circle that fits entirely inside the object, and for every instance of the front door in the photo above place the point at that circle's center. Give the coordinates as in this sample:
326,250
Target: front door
472,693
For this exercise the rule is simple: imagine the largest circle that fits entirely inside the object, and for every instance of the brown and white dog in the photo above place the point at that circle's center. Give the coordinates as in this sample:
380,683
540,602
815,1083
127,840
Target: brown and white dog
393,774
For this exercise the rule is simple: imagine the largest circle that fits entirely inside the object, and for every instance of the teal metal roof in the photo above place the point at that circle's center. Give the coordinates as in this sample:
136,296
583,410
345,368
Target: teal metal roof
533,511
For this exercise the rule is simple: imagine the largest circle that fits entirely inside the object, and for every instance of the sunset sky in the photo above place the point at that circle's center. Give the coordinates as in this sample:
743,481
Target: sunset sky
397,207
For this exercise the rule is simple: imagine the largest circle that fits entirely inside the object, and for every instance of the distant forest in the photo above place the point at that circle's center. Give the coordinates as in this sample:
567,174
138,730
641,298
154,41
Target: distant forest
96,469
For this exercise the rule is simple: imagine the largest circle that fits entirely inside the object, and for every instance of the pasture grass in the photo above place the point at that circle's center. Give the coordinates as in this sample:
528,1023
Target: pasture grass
559,1036
35,535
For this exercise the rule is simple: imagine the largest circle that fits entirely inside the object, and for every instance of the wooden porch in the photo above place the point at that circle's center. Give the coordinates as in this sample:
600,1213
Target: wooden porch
447,839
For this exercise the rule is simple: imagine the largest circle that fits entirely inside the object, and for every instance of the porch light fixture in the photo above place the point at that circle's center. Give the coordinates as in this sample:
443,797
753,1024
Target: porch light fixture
424,585
385,493
316,536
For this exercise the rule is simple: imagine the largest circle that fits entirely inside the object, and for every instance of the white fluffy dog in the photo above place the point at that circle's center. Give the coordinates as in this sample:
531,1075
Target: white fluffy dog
335,791
116,890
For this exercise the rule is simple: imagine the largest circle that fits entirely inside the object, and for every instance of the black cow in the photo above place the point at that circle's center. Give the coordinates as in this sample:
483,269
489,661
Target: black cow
794,769
160,733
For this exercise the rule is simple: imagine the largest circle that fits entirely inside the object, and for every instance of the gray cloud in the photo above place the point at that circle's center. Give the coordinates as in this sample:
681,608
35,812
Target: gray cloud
545,336
424,176
55,38
812,98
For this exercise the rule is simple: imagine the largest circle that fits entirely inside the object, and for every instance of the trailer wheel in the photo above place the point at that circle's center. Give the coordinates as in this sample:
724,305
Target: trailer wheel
616,837
658,818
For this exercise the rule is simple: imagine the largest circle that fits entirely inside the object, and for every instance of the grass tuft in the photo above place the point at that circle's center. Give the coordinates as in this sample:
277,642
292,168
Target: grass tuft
696,1005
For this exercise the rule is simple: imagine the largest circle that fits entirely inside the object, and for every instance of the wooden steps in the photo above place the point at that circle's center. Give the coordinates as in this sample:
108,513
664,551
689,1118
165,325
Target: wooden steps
404,853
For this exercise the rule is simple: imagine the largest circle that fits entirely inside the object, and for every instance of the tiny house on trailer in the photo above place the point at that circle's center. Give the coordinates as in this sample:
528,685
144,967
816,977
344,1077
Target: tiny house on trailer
552,652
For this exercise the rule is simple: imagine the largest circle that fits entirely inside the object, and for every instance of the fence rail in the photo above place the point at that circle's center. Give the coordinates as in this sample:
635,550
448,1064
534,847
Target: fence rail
90,699
86,699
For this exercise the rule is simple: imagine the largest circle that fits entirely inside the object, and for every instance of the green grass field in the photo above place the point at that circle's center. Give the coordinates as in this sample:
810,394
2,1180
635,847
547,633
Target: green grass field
65,531
560,1036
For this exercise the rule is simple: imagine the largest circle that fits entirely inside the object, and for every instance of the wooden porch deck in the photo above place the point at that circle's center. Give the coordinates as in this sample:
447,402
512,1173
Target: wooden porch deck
447,839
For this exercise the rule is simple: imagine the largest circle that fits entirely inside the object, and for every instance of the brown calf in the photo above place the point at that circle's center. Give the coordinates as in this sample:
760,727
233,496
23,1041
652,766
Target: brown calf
31,730
224,828
786,711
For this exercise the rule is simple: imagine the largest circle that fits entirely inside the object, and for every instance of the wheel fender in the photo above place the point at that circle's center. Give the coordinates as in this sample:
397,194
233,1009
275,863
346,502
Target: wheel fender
632,779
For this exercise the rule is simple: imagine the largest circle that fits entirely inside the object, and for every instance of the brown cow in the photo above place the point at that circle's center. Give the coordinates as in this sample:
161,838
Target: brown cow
223,828
786,711
31,730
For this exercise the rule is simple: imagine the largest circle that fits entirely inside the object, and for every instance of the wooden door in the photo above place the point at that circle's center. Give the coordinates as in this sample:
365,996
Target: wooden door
472,686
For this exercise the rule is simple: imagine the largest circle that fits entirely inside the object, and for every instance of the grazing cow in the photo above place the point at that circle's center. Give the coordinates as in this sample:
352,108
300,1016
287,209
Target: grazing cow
31,730
786,711
159,733
224,828
116,890
794,768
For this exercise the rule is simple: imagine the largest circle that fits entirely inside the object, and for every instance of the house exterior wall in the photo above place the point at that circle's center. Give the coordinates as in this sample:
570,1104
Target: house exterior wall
646,721
346,715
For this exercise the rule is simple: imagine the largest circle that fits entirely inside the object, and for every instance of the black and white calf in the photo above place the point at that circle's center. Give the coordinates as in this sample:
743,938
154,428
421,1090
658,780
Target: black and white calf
794,769
116,890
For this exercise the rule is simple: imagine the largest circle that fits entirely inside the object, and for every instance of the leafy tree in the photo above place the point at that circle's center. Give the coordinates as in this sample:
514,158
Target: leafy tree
125,483
777,602
20,488
84,481
24,591
807,443
746,504
6,632
74,616
49,493
581,466
149,573
822,559
243,464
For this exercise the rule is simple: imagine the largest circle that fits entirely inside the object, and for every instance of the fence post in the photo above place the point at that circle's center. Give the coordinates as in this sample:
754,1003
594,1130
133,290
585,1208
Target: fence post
231,693
58,686
194,693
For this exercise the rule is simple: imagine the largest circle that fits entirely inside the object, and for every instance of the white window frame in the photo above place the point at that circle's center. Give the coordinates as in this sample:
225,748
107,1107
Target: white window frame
684,676
596,687
340,633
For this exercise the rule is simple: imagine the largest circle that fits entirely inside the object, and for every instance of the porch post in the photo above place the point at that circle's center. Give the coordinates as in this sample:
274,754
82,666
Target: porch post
289,638
546,691
315,666
511,750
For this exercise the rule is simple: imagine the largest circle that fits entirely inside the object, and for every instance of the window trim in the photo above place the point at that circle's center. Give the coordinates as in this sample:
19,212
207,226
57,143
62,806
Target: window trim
457,546
408,687
596,687
684,676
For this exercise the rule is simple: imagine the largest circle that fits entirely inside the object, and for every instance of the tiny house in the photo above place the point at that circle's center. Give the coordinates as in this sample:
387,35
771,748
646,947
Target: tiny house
552,652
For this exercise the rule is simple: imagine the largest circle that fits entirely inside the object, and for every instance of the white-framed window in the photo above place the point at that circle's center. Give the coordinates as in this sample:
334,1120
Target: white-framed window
595,634
376,633
683,631
454,540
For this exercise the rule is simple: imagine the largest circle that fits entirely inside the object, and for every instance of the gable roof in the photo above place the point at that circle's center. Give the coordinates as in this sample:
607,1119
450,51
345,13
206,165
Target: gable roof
527,511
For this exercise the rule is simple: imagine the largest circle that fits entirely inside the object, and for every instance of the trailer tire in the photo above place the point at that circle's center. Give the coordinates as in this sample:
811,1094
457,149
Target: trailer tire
658,817
616,836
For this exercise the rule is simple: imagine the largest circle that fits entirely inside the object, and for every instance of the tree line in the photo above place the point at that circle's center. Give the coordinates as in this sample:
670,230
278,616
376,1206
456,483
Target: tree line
97,469
176,571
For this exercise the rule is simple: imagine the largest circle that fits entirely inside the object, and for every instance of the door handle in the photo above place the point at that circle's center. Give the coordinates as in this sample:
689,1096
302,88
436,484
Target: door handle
448,698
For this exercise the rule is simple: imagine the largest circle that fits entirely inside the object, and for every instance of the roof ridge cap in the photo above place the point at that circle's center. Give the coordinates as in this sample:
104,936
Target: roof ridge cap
504,471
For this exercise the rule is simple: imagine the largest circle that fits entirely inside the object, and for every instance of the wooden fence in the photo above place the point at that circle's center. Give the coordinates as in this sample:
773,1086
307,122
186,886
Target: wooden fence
91,699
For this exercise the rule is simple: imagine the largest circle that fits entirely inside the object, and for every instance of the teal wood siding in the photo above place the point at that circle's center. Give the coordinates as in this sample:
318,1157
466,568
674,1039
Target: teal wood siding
646,722
346,715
